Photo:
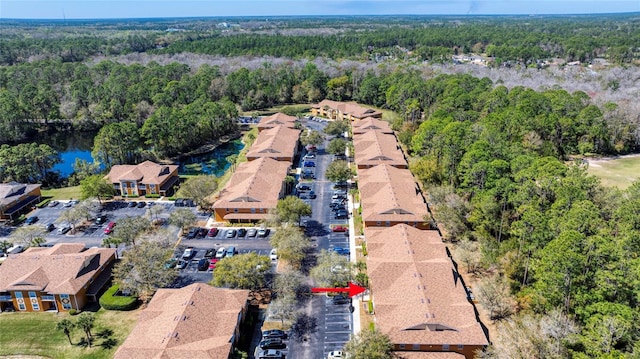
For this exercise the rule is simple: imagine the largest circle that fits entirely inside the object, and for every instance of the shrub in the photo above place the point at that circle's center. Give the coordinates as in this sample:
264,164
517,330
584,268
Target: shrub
152,196
172,198
44,203
74,312
111,301
370,304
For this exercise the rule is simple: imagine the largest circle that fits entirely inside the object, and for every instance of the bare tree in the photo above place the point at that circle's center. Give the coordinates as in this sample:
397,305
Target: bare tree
28,236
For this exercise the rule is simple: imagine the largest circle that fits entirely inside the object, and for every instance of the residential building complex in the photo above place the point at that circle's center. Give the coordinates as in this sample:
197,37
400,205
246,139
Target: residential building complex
146,178
277,119
376,147
351,111
58,278
17,199
197,321
279,142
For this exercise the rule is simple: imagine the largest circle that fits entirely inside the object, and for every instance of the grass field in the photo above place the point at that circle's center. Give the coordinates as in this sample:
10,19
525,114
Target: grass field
618,172
64,193
35,334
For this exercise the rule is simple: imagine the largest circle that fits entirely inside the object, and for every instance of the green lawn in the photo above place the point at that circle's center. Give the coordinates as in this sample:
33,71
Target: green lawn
35,334
64,193
619,172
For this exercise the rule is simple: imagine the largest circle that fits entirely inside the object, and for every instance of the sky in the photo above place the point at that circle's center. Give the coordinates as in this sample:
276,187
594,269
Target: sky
101,9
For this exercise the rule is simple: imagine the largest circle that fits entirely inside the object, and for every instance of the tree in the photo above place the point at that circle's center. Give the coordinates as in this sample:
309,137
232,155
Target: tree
96,186
182,218
199,188
291,209
312,138
336,128
245,271
66,326
142,268
4,245
85,322
72,216
494,295
337,146
117,143
332,270
129,228
369,344
284,308
338,171
28,236
291,243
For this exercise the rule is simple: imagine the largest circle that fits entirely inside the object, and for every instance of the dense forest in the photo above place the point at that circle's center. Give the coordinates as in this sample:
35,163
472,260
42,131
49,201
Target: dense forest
556,252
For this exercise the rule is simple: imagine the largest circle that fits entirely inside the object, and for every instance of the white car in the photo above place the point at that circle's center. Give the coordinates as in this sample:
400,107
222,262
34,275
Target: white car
274,254
221,252
336,354
309,156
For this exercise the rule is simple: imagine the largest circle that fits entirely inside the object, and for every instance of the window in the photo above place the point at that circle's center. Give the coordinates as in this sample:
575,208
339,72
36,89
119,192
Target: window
66,302
34,301
235,210
416,347
401,346
445,346
20,300
460,346
253,210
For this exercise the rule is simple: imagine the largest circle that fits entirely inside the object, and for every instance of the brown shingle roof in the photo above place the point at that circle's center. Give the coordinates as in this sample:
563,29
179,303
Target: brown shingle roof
375,147
417,293
62,269
427,355
146,172
254,184
197,321
390,194
12,191
350,108
277,119
371,124
277,142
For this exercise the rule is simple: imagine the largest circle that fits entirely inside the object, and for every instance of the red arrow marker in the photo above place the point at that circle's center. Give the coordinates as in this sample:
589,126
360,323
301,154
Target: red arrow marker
351,291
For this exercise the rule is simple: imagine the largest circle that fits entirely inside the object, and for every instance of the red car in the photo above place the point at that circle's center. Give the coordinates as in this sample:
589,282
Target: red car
340,229
213,232
212,263
109,228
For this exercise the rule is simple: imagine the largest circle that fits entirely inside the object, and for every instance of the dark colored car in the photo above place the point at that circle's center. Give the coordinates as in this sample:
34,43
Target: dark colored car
304,187
132,204
210,253
31,220
242,232
341,299
340,215
203,264
192,233
272,343
312,195
179,202
101,220
141,204
202,232
309,164
274,333
340,250
50,227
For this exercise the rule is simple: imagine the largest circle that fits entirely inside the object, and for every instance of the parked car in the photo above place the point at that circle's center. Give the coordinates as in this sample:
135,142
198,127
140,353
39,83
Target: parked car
53,203
274,333
340,215
188,253
210,253
171,263
141,204
308,175
304,187
202,232
31,220
64,228
270,354
231,251
213,232
309,164
263,232
242,232
132,204
272,343
231,233
101,220
193,231
252,232
50,227
182,264
336,354
273,254
109,228
220,253
312,195
203,264
212,263
309,156
340,250
340,228
340,299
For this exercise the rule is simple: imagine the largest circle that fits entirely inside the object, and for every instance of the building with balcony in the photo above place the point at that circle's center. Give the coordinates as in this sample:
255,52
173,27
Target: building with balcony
335,110
146,178
17,199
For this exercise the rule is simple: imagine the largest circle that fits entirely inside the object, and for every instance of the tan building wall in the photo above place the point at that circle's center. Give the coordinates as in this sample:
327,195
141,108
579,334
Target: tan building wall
221,212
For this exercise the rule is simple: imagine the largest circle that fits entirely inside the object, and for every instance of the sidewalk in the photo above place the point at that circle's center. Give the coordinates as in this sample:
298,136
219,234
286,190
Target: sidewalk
352,249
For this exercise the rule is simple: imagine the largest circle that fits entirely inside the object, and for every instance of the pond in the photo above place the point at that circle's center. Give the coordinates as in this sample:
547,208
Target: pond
72,145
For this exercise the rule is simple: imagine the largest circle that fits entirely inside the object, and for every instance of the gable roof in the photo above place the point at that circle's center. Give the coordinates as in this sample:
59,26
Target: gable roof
197,321
376,147
279,141
371,124
418,294
390,194
349,108
254,184
277,119
62,269
146,172
12,191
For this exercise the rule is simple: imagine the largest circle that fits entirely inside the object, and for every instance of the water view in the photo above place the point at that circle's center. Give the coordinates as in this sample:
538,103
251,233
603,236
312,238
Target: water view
212,163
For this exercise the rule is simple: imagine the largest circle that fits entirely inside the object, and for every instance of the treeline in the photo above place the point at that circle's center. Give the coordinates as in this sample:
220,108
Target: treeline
524,40
564,247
